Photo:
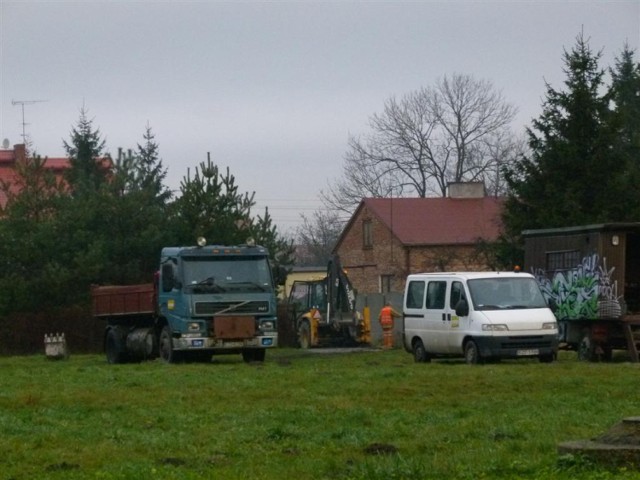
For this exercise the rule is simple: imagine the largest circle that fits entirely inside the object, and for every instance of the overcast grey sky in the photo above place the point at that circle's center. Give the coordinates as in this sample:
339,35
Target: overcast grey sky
273,89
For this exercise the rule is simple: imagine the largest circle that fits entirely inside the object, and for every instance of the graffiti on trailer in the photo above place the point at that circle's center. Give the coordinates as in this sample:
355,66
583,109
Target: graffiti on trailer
583,292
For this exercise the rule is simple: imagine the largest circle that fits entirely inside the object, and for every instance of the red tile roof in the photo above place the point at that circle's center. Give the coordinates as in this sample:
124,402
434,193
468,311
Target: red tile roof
57,166
438,221
8,159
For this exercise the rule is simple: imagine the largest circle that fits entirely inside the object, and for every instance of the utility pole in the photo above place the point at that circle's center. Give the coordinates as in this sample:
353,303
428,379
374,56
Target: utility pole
22,103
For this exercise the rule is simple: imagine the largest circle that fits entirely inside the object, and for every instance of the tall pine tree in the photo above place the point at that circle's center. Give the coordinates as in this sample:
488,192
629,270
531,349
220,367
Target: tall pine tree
625,96
88,161
211,205
567,177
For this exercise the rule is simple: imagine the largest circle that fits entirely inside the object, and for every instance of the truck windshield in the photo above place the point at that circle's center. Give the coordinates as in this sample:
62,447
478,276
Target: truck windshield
223,274
505,293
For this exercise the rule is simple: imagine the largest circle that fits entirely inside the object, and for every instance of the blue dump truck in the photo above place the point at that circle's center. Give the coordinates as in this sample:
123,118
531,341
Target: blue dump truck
205,300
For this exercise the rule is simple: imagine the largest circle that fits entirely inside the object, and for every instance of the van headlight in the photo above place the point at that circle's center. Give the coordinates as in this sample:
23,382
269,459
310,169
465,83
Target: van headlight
494,327
550,325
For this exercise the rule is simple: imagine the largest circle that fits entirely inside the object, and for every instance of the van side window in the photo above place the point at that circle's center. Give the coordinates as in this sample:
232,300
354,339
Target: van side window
457,294
415,294
436,292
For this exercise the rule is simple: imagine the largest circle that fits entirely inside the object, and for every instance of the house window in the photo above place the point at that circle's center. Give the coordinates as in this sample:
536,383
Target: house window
367,236
386,281
562,260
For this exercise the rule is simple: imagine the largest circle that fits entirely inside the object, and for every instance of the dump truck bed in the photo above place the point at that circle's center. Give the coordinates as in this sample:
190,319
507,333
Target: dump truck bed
122,300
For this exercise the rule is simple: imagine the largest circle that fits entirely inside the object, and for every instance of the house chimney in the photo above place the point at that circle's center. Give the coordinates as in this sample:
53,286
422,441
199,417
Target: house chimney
466,190
19,152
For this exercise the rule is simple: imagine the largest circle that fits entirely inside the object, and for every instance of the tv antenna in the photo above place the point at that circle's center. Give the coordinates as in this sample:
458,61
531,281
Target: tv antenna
22,103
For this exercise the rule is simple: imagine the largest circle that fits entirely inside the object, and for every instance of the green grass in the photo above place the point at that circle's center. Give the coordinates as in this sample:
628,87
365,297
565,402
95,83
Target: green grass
365,415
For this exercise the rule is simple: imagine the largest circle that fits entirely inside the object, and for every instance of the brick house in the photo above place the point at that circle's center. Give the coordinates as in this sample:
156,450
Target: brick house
388,238
10,157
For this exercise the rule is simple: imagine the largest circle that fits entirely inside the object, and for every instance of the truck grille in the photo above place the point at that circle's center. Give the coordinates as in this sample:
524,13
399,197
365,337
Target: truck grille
227,308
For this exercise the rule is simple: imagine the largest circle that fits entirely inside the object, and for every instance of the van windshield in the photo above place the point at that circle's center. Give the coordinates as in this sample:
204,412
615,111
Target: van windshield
505,293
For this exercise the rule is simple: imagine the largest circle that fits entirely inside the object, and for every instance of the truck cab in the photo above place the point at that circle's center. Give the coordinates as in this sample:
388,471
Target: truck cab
216,299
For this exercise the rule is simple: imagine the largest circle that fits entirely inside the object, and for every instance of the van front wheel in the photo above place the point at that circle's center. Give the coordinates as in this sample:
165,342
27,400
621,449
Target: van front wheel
472,353
419,353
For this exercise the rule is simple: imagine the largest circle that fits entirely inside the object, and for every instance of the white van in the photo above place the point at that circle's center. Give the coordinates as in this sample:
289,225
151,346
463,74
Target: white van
478,316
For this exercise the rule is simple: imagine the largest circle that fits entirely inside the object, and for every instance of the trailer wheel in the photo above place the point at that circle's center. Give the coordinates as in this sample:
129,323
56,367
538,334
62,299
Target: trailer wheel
547,358
472,353
419,353
586,349
115,347
165,346
304,335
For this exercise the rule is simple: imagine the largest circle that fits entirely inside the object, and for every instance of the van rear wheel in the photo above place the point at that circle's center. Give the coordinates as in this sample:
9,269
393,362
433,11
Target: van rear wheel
472,353
419,353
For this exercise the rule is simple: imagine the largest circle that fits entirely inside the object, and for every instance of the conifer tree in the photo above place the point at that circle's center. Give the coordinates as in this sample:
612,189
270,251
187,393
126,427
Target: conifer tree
281,250
87,158
211,205
565,180
625,96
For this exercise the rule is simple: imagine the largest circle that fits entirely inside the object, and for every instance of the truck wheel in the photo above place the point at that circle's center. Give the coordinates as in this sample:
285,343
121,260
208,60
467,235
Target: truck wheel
472,353
304,335
419,353
254,355
115,347
165,346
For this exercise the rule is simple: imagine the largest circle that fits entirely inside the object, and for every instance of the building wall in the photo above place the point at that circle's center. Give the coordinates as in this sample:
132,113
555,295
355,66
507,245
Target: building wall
364,265
441,258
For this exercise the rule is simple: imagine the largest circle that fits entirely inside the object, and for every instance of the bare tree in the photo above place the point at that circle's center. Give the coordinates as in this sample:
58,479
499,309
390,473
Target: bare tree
361,178
317,236
502,150
420,143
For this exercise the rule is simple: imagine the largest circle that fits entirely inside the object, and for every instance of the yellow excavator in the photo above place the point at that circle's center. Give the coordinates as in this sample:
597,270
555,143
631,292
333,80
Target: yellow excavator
324,311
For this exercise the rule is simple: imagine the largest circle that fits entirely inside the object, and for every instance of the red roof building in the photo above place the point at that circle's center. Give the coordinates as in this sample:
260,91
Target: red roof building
10,158
388,238
8,161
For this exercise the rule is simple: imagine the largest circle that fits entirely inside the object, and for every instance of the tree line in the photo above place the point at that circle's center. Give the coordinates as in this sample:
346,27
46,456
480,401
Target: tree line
106,220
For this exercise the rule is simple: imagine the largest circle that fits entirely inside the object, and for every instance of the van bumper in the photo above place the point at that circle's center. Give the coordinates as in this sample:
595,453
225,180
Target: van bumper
517,347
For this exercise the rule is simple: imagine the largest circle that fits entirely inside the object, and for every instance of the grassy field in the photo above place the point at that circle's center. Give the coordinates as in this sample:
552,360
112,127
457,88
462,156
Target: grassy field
364,415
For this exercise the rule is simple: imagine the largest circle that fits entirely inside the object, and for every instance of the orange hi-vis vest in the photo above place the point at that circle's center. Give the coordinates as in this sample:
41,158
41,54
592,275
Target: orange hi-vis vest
386,317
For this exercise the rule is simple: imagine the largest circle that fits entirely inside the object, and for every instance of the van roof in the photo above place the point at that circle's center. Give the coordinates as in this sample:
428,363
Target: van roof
472,275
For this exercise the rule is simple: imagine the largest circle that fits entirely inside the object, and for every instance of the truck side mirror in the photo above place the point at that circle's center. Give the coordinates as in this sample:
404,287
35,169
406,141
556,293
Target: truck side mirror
168,277
462,308
552,305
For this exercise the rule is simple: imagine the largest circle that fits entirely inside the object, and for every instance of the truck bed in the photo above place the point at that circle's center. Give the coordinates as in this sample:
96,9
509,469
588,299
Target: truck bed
123,300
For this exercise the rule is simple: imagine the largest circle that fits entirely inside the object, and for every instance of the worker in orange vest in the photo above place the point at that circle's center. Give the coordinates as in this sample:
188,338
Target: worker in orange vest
386,322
